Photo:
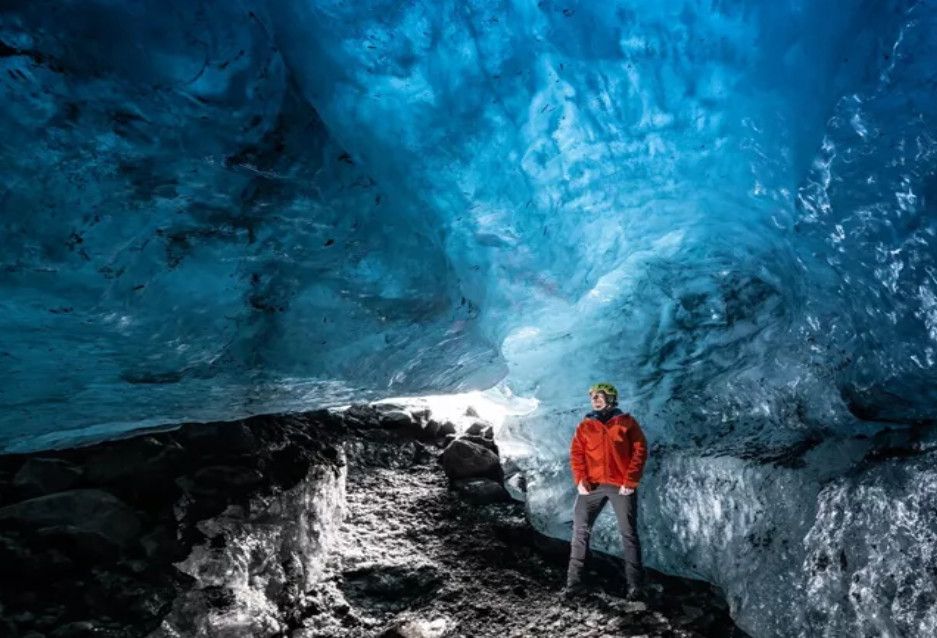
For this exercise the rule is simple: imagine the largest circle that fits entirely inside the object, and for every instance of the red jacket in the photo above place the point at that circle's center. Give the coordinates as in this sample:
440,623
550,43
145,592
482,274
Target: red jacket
612,452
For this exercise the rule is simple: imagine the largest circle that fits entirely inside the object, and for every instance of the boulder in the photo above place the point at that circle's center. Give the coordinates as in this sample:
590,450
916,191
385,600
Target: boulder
139,459
481,428
329,417
218,439
15,556
447,428
431,429
388,407
397,420
85,510
85,546
471,411
39,476
463,458
159,544
422,454
482,441
234,477
481,491
421,416
362,415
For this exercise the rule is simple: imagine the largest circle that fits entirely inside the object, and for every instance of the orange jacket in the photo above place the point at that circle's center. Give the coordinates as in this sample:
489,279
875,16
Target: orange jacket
612,452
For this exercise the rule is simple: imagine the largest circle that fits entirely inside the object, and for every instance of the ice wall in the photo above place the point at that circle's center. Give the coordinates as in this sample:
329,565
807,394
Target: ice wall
218,208
183,238
629,191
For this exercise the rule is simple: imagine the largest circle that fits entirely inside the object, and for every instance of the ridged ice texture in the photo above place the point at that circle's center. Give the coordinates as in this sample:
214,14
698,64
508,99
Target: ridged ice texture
834,545
184,239
216,208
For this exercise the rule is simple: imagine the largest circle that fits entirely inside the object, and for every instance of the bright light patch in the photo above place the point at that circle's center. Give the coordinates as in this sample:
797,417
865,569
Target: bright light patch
493,405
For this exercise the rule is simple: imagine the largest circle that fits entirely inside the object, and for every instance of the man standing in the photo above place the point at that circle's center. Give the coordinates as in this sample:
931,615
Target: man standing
607,457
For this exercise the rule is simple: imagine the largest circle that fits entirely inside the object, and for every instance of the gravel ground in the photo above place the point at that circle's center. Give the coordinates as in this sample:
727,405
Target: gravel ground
413,560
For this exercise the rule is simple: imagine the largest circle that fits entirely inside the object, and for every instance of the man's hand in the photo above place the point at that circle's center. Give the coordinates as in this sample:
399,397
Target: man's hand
625,491
581,488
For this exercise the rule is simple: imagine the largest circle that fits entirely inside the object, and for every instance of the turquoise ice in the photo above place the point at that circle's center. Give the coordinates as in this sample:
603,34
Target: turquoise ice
215,209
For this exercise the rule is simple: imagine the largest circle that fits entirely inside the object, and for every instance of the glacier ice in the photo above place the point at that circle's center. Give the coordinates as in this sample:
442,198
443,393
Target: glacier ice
215,209
184,239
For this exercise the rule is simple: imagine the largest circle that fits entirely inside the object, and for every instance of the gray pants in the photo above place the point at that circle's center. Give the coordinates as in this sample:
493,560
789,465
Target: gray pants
586,509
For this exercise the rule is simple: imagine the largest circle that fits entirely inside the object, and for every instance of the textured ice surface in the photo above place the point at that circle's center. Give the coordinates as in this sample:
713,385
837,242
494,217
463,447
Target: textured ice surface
832,545
184,239
726,208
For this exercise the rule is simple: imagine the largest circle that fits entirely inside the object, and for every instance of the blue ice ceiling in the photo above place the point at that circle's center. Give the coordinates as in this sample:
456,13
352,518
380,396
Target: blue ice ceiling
228,207
211,209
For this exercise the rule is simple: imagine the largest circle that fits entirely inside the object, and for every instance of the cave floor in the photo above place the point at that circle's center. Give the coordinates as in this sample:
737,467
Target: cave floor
413,560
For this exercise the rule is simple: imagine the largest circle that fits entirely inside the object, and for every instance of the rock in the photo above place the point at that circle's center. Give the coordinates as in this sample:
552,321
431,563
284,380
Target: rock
138,460
23,618
430,430
415,628
397,420
218,439
388,407
75,630
86,546
470,411
159,544
481,491
482,441
422,454
466,459
516,485
633,606
421,416
14,555
447,428
40,476
226,477
688,614
21,563
392,585
323,415
87,510
362,415
481,428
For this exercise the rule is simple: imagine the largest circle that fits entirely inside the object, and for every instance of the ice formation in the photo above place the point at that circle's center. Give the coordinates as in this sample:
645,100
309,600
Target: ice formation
215,209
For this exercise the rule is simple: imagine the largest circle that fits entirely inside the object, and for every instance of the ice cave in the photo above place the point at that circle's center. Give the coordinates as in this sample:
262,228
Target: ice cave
214,211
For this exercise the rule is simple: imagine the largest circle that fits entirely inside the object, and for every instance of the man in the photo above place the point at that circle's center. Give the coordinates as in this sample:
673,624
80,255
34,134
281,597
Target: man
607,455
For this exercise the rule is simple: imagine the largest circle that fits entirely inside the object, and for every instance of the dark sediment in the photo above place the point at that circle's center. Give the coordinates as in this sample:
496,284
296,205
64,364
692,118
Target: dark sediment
306,525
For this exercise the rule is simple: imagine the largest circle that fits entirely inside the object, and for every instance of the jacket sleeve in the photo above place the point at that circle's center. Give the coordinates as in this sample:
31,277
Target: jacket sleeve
577,458
638,455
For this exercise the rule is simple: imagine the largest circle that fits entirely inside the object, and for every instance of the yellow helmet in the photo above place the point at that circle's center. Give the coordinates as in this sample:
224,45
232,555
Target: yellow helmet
605,388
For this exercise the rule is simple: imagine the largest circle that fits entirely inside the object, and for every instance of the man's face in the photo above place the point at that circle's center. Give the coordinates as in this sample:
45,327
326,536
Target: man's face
598,400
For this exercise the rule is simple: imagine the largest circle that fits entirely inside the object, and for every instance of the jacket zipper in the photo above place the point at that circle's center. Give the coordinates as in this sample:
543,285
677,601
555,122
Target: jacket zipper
605,448
607,444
